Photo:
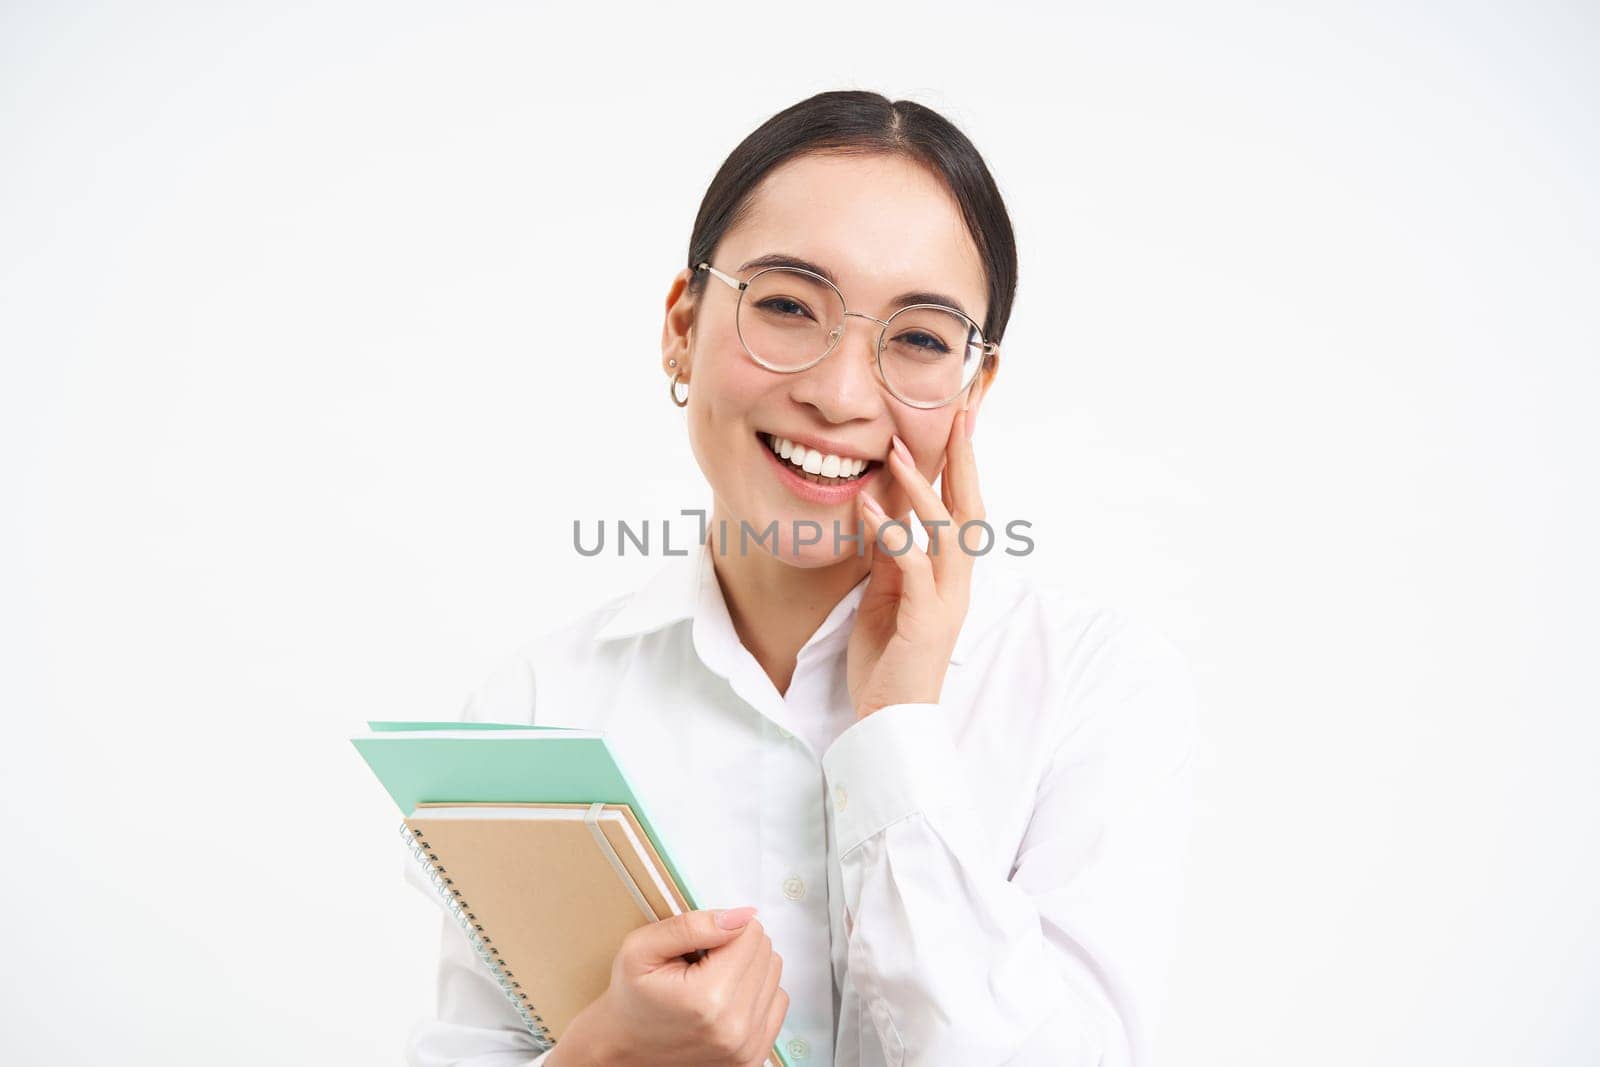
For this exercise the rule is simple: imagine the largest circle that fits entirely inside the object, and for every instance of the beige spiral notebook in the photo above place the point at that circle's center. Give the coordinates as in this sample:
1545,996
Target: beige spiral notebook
504,869
539,847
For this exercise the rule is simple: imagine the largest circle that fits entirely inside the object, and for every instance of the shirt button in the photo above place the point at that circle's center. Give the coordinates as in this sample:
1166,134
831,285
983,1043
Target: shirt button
840,798
793,887
785,734
798,1048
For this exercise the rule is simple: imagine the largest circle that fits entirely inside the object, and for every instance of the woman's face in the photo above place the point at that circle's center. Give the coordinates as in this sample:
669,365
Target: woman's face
882,226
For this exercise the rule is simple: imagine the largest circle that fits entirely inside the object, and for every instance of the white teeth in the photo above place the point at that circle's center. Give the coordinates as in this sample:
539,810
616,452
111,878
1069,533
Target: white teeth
814,462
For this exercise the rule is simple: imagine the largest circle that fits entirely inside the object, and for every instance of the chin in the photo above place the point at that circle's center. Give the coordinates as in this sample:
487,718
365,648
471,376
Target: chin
823,555
793,526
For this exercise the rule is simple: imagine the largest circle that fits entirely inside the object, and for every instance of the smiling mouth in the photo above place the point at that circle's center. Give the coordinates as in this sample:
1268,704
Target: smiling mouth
815,466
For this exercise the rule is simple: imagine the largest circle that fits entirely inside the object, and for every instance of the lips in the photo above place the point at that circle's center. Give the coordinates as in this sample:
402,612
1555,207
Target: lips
816,487
815,465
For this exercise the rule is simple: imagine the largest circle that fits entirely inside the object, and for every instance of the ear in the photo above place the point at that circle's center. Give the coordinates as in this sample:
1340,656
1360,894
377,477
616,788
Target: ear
677,330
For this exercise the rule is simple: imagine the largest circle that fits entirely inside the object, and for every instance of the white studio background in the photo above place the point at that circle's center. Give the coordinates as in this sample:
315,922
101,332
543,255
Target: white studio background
319,327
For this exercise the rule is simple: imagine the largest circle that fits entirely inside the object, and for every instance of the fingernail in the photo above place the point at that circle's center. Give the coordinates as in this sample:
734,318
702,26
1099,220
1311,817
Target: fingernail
733,918
972,422
871,504
901,450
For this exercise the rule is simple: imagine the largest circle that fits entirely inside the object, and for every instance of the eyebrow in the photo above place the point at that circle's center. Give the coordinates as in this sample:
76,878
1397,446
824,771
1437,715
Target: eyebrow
916,296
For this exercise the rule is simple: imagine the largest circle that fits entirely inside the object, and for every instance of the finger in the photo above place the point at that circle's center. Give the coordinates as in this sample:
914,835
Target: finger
747,990
775,1017
960,480
761,1008
769,987
884,576
728,963
944,483
893,539
959,493
958,488
661,942
929,508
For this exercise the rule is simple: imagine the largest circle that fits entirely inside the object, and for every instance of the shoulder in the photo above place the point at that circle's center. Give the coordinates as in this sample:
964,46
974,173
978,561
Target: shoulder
1102,668
508,691
1009,607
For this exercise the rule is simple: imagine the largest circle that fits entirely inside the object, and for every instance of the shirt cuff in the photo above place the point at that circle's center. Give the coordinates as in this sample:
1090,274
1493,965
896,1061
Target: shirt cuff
896,762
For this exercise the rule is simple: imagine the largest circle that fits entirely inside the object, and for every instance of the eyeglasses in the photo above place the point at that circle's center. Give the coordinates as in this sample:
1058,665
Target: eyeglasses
789,320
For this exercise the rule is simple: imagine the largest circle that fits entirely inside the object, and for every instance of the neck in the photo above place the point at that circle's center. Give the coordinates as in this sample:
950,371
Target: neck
776,607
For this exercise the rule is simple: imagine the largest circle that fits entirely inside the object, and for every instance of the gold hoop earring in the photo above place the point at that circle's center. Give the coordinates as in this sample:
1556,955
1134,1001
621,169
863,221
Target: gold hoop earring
672,389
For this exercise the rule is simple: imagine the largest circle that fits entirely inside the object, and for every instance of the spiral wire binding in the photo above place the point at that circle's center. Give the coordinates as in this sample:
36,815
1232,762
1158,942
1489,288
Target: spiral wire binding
480,941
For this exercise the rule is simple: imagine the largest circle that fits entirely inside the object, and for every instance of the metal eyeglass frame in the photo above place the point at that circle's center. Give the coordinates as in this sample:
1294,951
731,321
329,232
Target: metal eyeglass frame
989,348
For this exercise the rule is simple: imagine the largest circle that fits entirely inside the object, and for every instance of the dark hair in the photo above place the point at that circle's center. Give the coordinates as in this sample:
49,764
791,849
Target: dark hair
857,122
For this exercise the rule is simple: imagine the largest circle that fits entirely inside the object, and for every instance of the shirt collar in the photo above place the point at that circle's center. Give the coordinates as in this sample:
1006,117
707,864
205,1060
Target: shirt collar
686,587
667,596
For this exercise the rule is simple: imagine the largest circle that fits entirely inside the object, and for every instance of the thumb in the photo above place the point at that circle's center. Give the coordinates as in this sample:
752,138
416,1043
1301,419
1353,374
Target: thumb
678,935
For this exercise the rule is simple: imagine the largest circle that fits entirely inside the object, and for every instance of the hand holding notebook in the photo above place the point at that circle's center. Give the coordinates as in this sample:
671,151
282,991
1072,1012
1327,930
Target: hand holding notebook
539,848
721,1010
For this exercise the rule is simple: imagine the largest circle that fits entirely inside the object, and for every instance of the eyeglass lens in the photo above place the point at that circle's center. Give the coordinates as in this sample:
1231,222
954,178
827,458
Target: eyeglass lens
788,319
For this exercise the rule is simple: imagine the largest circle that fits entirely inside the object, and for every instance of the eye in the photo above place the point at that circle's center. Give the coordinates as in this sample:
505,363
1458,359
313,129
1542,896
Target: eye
927,342
783,305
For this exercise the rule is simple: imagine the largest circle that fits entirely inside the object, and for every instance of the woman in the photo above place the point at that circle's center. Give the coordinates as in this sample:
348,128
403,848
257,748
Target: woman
955,801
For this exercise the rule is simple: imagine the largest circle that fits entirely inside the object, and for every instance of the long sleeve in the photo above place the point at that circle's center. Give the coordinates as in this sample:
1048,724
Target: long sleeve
474,1024
1063,962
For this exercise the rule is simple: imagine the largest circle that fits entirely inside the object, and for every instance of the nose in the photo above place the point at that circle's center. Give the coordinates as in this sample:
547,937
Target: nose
844,386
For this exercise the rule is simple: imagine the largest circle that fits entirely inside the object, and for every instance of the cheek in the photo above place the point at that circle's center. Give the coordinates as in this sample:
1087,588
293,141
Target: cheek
927,433
731,386
726,394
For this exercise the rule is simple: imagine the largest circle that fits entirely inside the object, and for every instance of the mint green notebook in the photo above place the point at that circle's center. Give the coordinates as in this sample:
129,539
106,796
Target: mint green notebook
506,763
502,763
403,725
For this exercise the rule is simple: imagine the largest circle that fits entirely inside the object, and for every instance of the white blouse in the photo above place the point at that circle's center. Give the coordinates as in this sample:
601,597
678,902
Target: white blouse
988,880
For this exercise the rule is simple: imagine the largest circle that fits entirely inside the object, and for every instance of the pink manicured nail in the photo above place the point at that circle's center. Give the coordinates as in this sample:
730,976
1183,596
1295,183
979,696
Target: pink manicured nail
871,504
972,422
733,918
901,450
